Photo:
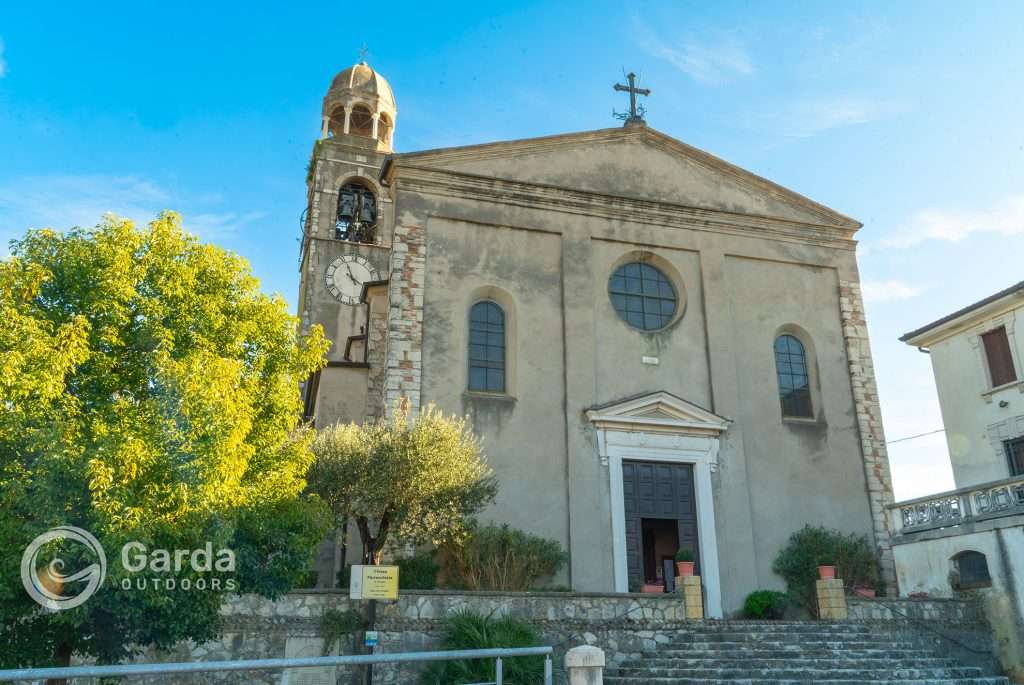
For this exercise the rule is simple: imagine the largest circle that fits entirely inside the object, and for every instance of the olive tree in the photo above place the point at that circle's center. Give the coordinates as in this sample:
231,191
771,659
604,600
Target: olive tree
413,480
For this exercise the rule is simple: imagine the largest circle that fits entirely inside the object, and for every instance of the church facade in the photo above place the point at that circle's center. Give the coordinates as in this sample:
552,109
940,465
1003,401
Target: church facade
658,349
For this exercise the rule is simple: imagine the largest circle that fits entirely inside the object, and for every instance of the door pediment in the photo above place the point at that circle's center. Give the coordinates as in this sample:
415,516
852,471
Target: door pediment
660,412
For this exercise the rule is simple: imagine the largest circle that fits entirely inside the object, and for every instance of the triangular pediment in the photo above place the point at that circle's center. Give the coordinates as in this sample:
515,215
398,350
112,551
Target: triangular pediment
657,411
631,162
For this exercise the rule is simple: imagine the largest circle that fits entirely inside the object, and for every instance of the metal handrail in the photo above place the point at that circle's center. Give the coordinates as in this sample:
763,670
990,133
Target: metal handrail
125,670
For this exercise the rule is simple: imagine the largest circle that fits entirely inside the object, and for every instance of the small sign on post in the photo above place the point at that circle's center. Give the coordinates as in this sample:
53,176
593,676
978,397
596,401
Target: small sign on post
374,582
370,639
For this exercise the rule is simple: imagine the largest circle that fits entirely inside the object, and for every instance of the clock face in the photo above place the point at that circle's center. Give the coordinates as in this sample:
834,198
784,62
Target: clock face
346,275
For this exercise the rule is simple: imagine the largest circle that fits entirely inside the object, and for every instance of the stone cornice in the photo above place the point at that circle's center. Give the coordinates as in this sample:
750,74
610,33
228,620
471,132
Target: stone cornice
446,183
652,137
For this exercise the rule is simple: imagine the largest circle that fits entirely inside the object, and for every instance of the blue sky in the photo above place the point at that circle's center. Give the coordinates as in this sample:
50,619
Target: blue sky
908,116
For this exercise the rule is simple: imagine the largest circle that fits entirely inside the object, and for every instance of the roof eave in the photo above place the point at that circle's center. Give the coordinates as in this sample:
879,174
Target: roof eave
945,326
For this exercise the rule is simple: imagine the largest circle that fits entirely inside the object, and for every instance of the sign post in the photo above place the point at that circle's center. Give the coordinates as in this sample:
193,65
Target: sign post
372,583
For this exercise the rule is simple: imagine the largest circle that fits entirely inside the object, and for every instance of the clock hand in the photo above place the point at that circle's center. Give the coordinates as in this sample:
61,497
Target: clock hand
351,277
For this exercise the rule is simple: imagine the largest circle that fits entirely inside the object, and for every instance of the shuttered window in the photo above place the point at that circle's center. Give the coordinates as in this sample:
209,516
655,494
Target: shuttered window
1000,361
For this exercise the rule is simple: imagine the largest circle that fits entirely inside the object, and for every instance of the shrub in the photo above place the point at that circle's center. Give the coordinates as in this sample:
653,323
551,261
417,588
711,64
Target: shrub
418,572
307,580
467,629
765,604
500,558
853,556
684,554
336,625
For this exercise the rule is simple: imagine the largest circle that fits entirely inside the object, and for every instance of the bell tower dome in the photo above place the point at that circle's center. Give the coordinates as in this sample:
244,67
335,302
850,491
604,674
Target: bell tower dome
360,103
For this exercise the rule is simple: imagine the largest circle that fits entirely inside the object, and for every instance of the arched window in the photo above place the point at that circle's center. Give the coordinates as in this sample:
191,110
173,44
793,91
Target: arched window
487,347
357,214
971,570
384,129
336,123
794,380
360,122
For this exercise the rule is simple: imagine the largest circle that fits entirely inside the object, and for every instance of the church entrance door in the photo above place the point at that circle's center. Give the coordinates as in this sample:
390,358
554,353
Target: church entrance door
660,517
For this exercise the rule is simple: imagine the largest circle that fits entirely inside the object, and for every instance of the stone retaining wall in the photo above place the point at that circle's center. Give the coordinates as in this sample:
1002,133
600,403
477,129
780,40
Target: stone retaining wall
621,624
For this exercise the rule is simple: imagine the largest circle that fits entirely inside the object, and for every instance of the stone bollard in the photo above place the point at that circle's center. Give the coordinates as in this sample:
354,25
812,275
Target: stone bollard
693,596
831,599
585,665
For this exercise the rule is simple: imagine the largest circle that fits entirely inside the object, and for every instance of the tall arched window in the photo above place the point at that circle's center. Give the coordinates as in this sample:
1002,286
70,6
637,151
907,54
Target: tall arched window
487,347
794,379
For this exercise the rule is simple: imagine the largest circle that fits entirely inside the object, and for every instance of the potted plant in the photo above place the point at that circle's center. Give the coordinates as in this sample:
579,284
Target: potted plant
684,562
826,568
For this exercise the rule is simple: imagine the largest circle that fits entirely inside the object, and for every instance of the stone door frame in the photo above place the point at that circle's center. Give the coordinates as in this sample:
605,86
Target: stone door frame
661,427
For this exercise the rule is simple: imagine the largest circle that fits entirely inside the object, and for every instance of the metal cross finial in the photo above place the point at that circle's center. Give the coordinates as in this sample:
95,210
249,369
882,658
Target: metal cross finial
635,115
363,52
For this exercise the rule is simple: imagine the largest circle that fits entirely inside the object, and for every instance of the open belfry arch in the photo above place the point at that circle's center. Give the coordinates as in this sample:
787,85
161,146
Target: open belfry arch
531,285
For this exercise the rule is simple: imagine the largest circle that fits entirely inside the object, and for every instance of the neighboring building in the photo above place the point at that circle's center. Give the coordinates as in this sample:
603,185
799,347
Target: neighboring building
977,354
658,348
971,540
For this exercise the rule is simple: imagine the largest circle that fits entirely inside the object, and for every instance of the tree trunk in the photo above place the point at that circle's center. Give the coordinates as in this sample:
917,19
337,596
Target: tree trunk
372,548
61,658
373,545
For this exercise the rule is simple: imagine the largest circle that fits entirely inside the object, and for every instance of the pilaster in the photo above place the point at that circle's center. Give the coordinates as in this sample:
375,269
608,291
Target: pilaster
404,356
869,422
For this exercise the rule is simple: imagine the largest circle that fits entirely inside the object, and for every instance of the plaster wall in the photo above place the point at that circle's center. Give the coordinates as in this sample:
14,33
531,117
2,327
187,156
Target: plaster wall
811,465
347,405
976,422
573,352
925,565
524,428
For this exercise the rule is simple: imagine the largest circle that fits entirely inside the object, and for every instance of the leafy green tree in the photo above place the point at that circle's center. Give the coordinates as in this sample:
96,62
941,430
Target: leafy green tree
417,481
149,391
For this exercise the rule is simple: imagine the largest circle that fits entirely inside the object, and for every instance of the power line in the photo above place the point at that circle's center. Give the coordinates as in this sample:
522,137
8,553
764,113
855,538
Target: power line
919,435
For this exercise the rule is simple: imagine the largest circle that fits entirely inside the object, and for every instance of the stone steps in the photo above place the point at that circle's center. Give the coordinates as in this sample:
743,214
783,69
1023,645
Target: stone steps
800,671
822,662
786,653
615,680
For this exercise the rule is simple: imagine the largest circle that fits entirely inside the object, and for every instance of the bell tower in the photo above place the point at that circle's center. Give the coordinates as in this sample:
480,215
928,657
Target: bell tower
346,245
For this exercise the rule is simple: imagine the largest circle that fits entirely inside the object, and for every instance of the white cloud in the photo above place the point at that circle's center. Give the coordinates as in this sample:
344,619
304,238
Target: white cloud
806,117
3,62
208,225
889,290
1005,217
708,64
63,201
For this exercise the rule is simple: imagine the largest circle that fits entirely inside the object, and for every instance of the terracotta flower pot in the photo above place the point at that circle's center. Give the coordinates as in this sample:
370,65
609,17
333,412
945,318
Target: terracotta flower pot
826,572
868,592
685,568
652,588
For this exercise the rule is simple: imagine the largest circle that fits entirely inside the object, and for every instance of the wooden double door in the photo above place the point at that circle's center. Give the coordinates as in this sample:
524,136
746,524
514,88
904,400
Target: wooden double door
661,517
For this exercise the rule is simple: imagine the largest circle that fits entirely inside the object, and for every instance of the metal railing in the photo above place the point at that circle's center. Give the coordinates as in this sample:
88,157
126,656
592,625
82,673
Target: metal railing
129,670
947,509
